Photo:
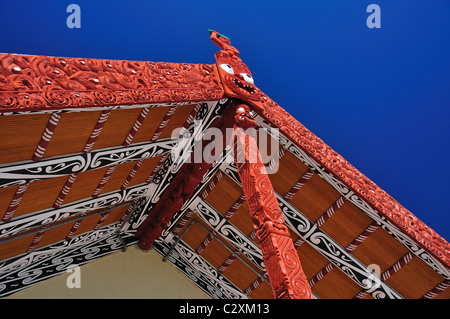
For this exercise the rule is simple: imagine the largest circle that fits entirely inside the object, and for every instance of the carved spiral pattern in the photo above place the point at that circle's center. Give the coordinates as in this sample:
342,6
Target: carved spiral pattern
41,82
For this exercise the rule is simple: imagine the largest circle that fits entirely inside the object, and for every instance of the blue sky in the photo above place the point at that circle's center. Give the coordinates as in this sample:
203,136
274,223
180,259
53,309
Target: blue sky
379,97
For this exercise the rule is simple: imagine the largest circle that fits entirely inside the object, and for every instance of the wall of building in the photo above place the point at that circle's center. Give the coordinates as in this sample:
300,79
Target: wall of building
131,274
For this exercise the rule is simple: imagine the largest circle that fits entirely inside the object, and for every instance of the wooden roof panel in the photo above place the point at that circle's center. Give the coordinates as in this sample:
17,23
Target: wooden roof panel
336,285
40,195
72,133
241,219
20,135
414,279
150,123
115,215
381,249
240,274
312,261
145,170
84,185
215,253
55,234
118,177
315,197
346,224
196,234
177,121
15,247
117,127
224,194
290,169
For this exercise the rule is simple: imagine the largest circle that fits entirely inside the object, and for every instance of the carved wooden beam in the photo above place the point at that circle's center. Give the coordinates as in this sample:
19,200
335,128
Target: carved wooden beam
36,83
284,269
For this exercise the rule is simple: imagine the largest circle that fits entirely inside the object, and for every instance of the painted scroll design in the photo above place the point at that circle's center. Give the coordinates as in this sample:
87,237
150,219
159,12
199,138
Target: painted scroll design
29,83
17,174
49,216
381,220
26,270
315,148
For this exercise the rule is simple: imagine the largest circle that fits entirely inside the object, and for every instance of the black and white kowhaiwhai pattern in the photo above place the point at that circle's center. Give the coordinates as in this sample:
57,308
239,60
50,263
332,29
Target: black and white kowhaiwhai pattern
28,269
20,173
46,217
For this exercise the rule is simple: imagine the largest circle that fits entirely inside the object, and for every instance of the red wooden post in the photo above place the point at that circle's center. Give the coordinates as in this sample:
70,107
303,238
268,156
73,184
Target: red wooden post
283,266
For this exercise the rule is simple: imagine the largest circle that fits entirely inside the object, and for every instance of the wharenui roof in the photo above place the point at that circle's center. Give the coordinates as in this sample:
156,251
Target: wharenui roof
97,155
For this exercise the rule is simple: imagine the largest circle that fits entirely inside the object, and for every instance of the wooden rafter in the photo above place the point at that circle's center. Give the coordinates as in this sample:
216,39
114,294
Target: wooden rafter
15,202
46,136
440,288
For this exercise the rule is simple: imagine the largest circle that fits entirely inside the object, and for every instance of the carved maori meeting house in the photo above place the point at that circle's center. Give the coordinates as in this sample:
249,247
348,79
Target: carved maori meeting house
98,155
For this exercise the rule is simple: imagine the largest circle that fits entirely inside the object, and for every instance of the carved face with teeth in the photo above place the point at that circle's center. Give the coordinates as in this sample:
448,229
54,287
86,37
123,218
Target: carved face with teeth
236,76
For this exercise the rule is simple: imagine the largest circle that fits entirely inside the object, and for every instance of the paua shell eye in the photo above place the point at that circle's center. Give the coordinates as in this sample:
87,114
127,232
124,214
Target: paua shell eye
248,78
227,68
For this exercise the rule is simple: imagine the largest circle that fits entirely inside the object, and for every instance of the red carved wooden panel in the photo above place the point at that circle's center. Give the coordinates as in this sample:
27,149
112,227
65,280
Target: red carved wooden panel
42,82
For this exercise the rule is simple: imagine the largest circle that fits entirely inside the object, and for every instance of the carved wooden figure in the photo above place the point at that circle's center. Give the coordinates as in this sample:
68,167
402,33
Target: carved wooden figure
286,275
